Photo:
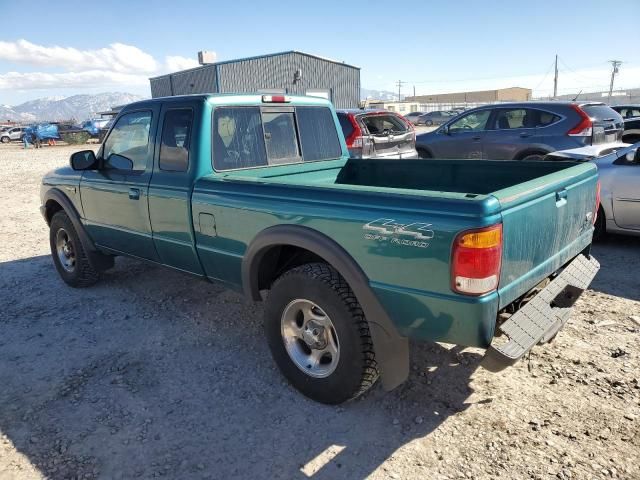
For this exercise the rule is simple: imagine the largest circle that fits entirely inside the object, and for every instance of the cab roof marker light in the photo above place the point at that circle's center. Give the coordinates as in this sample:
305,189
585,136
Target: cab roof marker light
275,99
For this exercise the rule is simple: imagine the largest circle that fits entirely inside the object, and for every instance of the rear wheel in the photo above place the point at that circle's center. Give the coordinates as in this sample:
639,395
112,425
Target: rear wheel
533,157
600,227
318,335
5,139
68,254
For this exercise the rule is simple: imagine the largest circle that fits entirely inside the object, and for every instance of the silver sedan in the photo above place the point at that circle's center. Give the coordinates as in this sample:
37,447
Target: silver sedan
619,169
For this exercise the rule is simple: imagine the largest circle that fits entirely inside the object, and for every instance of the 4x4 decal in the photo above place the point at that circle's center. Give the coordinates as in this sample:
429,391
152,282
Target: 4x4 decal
415,234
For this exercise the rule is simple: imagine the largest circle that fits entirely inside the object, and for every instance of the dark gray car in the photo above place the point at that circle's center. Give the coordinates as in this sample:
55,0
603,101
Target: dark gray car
434,118
521,131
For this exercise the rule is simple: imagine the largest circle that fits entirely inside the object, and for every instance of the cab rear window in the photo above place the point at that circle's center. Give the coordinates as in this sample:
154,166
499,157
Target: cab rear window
248,137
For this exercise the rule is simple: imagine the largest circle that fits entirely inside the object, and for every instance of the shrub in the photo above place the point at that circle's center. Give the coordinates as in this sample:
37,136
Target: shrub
75,138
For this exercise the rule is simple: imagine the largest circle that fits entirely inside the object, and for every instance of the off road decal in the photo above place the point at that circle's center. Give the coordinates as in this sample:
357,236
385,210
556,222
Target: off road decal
414,234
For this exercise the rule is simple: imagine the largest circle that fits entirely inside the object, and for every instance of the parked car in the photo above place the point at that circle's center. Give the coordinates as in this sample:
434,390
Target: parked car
521,131
377,134
434,118
631,116
94,127
413,117
12,134
357,255
619,170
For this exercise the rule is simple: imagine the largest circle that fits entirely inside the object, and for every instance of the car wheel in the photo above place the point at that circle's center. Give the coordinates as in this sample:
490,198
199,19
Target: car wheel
68,254
429,123
533,157
318,334
600,227
5,139
631,139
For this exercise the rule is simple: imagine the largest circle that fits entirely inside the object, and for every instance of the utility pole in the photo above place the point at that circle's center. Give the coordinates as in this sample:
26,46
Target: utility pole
400,83
614,69
555,80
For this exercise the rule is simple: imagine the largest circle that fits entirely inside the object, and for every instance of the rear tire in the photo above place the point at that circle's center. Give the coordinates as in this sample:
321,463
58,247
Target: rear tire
318,334
68,254
533,157
5,139
600,227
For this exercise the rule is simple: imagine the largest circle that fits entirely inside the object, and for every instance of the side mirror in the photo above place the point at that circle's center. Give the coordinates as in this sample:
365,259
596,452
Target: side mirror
83,160
633,156
444,129
118,162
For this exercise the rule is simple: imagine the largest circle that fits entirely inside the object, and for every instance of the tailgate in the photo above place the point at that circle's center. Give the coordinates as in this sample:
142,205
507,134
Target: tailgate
546,222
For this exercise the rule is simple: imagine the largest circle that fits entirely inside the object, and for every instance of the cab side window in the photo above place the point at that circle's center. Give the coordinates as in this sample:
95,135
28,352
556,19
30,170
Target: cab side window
176,140
129,138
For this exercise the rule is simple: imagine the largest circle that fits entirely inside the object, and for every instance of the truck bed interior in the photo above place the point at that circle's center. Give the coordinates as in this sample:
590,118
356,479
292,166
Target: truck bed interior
479,177
462,176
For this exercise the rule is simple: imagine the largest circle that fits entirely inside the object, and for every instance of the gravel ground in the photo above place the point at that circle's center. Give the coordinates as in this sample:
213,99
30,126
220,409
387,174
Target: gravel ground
154,374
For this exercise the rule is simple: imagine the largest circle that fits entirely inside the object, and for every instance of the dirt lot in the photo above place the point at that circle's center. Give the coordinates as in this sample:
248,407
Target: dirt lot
154,374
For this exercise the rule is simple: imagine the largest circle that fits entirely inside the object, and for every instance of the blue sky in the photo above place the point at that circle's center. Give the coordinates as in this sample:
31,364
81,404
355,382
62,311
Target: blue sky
435,46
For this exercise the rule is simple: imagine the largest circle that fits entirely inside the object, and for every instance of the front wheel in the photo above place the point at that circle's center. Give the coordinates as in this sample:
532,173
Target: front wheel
68,254
318,335
5,139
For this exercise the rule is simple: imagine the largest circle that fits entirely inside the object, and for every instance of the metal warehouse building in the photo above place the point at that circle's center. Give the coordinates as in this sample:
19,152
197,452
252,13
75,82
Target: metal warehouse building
295,73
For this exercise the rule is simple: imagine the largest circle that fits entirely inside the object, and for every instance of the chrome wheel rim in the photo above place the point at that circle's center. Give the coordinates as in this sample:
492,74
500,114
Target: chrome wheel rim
65,250
310,338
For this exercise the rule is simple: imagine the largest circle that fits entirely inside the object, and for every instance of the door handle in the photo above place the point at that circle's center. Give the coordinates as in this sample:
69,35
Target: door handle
525,135
134,193
561,198
476,138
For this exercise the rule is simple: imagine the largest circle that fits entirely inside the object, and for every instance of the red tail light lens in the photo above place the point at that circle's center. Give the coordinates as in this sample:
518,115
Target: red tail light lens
597,207
585,127
476,260
354,140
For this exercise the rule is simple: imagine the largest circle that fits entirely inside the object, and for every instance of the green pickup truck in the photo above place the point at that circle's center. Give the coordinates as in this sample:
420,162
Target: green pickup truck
352,257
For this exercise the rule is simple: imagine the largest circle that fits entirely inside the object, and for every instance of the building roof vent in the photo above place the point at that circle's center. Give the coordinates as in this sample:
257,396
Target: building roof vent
206,58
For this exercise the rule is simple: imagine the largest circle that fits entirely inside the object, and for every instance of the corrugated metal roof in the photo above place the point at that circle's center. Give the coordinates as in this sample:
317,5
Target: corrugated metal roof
289,52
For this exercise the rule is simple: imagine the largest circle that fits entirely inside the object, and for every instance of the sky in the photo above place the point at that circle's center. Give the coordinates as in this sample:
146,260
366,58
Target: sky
437,46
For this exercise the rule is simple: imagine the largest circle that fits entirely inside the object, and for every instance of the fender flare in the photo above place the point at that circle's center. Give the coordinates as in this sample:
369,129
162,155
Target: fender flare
392,350
98,260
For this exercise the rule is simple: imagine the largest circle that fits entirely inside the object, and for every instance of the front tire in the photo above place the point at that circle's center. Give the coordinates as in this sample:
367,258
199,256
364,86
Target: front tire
318,334
68,254
5,139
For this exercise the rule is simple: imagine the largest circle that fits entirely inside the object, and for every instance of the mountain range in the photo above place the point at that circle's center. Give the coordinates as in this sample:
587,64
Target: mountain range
83,107
78,107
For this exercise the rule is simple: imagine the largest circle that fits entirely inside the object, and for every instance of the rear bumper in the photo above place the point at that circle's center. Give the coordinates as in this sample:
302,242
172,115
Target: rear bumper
543,316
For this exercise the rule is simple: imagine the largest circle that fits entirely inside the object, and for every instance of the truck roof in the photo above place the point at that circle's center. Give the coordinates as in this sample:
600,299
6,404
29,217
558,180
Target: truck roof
235,99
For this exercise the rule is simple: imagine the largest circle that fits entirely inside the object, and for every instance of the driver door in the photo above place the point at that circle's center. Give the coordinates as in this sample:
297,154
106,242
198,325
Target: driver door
625,190
115,197
463,138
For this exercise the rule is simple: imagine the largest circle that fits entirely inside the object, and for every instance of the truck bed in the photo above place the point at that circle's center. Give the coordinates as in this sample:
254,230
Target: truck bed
471,177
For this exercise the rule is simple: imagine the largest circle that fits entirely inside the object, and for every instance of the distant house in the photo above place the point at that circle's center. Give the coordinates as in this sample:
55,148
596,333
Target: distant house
295,73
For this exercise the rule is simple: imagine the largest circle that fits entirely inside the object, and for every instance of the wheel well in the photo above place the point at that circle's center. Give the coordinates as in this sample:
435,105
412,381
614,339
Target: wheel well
51,207
526,153
631,138
423,152
280,258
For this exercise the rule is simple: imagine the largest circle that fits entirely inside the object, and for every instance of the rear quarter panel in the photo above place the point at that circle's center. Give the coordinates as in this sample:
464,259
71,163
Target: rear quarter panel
411,282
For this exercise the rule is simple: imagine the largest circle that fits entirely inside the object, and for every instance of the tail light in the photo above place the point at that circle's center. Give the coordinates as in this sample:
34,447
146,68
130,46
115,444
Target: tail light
476,260
585,127
275,99
354,140
597,207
